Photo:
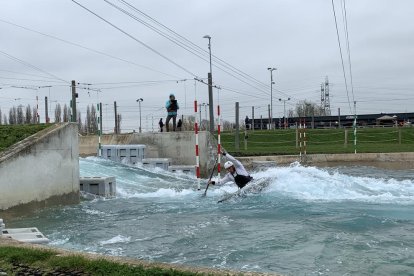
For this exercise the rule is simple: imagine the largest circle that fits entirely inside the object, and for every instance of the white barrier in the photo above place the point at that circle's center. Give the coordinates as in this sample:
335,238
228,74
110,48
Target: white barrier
162,163
124,153
102,186
185,169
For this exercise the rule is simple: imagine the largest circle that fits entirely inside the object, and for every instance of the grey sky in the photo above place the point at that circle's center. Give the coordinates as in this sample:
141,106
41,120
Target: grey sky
297,37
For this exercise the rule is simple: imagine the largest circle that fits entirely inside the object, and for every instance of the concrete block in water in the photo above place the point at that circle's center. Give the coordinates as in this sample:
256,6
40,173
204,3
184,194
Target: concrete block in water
127,153
102,186
162,163
29,237
183,168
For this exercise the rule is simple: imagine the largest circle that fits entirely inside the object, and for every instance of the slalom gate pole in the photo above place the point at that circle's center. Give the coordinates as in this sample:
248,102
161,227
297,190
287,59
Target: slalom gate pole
304,137
300,139
196,146
218,143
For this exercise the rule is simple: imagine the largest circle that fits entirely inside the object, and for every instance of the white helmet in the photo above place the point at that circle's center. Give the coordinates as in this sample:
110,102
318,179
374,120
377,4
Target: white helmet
228,164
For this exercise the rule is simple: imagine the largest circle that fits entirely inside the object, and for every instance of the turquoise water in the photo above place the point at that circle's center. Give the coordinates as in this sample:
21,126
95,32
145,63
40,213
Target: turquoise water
308,221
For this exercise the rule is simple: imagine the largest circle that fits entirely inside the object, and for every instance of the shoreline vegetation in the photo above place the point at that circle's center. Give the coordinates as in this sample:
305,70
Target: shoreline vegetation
17,258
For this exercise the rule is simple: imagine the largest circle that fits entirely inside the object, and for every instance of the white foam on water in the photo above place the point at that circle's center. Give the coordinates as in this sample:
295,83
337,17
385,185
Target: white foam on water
116,239
312,183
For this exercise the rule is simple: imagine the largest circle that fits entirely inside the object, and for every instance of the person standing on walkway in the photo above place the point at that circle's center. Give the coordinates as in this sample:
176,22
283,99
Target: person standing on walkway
161,124
172,106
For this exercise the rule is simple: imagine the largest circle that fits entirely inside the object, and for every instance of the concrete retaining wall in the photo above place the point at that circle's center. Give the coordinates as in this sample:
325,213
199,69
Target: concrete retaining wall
387,159
179,146
41,170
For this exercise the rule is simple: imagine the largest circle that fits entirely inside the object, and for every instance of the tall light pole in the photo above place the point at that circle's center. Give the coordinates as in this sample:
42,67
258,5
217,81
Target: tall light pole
210,88
284,110
271,95
139,103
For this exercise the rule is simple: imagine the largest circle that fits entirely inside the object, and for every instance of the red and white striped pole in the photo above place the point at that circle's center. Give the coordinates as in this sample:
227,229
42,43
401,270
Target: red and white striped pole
196,146
304,136
218,142
300,139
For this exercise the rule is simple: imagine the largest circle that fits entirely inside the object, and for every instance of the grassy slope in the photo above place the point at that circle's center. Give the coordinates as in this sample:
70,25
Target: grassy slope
11,134
322,141
15,259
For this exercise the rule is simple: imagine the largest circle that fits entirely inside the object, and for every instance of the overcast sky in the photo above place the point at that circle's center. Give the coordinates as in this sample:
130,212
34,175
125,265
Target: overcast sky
296,37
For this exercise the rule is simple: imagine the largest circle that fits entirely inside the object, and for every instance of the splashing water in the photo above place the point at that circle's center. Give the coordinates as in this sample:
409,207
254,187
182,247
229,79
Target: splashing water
336,221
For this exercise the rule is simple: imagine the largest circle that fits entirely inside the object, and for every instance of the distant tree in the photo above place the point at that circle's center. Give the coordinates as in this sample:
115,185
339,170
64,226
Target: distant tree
94,121
13,116
0,117
35,115
226,125
20,115
307,109
28,118
88,120
80,125
119,123
4,119
65,114
58,113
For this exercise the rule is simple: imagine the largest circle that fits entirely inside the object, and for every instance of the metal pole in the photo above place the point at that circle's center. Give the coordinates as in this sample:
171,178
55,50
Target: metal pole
116,119
252,124
74,96
46,111
140,129
237,138
210,87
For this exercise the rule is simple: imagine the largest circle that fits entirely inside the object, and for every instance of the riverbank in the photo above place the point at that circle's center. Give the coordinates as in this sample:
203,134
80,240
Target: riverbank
29,259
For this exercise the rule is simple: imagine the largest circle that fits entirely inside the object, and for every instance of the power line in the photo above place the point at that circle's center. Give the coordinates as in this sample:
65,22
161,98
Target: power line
30,65
87,48
342,59
348,49
134,38
195,46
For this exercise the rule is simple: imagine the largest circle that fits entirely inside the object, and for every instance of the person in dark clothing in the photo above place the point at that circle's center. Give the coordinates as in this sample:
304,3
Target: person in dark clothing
235,173
179,125
247,122
161,124
172,106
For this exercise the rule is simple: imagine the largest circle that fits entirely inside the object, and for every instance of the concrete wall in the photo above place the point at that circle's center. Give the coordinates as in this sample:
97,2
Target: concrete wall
41,170
387,159
179,146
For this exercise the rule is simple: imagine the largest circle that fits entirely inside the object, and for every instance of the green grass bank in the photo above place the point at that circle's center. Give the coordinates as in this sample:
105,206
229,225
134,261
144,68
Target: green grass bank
11,134
25,259
326,141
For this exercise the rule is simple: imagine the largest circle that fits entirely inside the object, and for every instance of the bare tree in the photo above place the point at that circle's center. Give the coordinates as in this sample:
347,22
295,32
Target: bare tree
13,116
4,119
80,125
0,116
94,121
307,109
28,118
119,123
35,118
65,114
20,115
58,113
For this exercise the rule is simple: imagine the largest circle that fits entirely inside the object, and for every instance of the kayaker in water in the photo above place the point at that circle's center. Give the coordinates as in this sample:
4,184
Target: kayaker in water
235,172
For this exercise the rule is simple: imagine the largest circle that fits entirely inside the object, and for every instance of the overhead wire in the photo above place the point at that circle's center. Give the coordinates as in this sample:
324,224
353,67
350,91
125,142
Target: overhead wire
340,51
135,39
348,49
196,50
30,65
195,46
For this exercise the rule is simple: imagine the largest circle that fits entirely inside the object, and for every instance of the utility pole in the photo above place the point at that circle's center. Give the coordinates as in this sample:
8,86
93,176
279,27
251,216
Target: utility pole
271,95
46,112
270,121
210,88
116,119
74,96
237,138
252,124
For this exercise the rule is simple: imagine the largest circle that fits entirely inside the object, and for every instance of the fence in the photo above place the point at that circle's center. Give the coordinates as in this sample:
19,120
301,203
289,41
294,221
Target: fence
288,141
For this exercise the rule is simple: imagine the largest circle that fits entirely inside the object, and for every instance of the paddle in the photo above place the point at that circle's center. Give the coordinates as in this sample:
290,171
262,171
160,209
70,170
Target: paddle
211,175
